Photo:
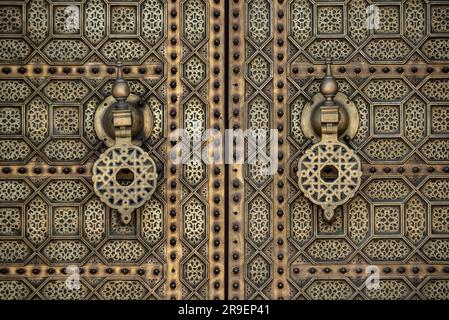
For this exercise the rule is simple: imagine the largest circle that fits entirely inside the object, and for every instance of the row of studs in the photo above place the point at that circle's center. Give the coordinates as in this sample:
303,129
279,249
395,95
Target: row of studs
236,175
301,69
32,169
150,271
414,169
347,270
407,169
216,171
154,70
93,70
86,170
155,270
280,287
173,289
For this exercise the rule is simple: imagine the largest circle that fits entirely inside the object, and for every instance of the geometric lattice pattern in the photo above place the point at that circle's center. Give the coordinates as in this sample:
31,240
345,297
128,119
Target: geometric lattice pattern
331,191
195,114
258,210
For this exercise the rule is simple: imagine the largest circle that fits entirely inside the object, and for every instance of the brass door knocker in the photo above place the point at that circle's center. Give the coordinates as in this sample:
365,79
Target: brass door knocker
124,176
329,172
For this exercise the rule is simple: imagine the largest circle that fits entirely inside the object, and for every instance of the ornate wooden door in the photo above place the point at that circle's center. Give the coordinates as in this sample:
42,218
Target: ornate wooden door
58,60
225,231
390,59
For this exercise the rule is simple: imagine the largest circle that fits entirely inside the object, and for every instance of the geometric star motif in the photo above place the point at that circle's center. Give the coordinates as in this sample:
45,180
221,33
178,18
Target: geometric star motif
329,175
124,178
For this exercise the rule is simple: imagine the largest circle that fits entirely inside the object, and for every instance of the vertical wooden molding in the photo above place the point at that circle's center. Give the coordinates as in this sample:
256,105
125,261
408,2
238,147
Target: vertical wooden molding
236,183
174,92
216,167
280,182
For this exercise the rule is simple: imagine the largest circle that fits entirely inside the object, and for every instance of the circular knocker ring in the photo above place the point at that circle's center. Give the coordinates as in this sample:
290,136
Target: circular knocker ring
124,177
329,175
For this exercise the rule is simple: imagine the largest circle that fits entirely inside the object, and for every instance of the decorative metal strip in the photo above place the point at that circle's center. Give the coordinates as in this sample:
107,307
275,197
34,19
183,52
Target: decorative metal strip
323,271
236,201
216,167
150,70
39,169
280,182
174,251
299,70
148,271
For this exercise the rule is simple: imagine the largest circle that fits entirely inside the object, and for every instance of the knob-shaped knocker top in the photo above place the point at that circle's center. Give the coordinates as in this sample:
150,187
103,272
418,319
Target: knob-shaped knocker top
329,172
120,89
124,176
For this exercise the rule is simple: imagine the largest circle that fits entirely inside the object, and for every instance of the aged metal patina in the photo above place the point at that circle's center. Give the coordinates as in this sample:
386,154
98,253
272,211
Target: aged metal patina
58,66
329,172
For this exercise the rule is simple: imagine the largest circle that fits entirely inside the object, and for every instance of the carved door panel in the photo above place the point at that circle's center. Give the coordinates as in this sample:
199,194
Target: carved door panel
396,73
58,63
